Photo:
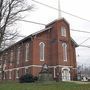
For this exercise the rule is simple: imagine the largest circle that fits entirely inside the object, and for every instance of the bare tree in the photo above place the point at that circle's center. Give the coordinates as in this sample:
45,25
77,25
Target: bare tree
10,12
84,70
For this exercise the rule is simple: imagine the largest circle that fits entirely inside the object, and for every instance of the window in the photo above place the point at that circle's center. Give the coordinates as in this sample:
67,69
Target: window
11,57
0,61
18,55
1,58
64,45
27,52
4,65
42,46
10,74
17,73
5,75
26,70
63,31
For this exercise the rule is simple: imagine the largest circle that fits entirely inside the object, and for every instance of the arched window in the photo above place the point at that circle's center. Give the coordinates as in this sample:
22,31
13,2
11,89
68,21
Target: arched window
64,45
42,46
27,51
11,57
18,55
63,31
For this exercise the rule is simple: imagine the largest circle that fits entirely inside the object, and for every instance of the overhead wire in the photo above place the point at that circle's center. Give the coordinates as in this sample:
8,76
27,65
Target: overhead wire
60,10
32,22
45,25
84,46
84,41
79,31
70,29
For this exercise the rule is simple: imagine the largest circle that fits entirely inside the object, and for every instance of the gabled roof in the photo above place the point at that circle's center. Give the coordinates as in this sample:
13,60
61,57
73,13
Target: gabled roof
47,28
28,37
41,31
57,20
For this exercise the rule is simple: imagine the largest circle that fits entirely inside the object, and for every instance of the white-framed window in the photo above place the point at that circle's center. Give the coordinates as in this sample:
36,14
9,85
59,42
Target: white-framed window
0,58
11,57
42,51
10,74
26,51
63,31
5,74
1,62
17,73
4,65
64,46
18,55
26,70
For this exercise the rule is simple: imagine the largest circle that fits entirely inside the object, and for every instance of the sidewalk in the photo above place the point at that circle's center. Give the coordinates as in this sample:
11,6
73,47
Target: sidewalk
80,82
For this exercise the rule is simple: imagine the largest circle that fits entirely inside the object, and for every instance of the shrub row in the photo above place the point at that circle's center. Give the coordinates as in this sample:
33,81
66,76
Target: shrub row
28,78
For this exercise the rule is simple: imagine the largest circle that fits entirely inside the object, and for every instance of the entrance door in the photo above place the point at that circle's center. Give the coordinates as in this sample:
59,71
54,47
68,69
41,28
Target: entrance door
65,75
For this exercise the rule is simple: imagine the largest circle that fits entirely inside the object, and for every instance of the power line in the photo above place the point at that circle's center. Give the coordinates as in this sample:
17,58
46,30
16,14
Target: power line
84,46
61,10
71,29
84,40
32,22
45,25
79,31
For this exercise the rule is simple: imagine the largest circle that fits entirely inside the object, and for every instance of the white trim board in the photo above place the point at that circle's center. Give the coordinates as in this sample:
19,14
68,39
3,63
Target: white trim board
39,66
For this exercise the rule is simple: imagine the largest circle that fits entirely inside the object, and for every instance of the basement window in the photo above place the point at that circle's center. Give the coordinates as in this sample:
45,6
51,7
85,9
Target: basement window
17,73
10,74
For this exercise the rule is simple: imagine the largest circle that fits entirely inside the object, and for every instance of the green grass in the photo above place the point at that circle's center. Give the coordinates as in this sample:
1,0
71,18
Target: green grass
40,86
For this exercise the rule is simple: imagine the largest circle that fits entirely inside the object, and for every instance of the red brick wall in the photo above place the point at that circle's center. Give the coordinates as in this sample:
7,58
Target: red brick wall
53,50
53,46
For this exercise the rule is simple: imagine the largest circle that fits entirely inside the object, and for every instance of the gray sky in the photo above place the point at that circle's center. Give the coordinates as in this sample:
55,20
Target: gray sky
45,15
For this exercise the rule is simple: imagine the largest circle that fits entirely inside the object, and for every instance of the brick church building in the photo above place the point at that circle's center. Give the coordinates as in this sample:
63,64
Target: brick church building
52,46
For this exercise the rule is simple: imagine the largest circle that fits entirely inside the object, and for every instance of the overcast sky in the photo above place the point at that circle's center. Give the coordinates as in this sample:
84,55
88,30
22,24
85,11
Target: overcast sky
45,15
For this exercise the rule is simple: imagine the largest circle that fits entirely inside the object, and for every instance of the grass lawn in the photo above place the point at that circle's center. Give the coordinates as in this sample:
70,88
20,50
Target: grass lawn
40,86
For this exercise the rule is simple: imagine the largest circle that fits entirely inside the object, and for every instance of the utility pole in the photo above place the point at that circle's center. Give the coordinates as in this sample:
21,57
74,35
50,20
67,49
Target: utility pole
59,10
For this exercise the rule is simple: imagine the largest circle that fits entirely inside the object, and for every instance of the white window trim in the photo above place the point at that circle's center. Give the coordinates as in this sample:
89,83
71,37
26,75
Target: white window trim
11,57
1,61
26,69
63,31
64,45
10,74
4,65
17,73
26,51
18,55
4,74
42,51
